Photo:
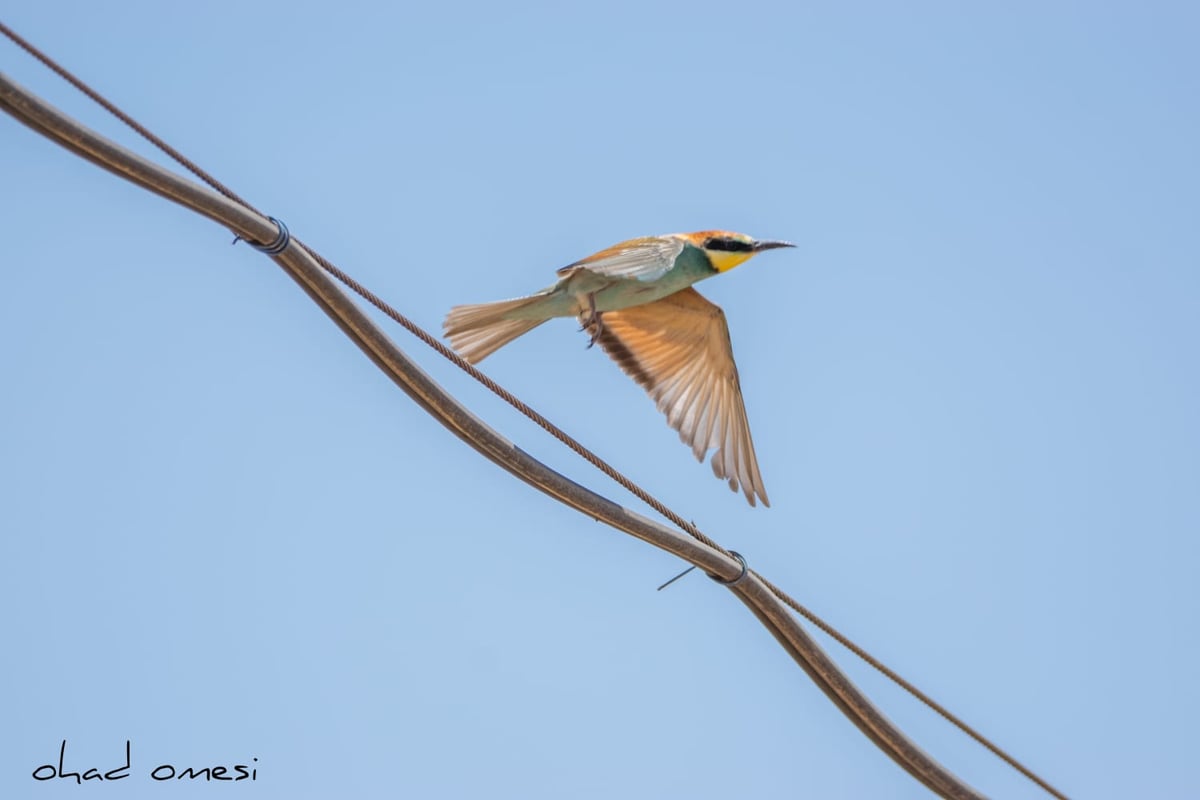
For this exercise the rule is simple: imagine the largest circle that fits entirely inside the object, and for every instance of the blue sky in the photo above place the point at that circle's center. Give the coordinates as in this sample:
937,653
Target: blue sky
973,390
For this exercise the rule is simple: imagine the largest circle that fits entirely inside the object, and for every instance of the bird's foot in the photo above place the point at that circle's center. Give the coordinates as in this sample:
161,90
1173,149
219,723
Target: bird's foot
597,330
591,321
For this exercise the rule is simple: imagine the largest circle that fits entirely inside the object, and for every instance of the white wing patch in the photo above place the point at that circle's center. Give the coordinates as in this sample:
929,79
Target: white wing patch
646,259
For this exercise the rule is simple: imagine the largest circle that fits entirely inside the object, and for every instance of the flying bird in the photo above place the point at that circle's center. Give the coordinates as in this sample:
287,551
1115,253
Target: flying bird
636,301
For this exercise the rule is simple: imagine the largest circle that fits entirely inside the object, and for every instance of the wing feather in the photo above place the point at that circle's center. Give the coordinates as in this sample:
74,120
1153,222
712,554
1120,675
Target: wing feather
678,349
646,259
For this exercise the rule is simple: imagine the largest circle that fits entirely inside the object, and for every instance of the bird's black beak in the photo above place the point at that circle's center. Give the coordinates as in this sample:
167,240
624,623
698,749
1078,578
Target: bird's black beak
768,244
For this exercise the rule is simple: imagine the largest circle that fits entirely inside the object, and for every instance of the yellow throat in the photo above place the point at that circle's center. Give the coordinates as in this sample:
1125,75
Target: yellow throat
723,261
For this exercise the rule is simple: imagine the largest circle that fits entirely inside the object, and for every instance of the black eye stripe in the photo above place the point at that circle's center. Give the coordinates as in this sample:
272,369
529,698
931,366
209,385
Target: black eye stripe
728,245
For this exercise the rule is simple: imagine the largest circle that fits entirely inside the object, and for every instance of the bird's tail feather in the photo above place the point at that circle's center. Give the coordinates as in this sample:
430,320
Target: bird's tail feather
477,331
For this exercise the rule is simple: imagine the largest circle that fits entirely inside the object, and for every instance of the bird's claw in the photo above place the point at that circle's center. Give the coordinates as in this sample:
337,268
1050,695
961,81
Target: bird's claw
596,331
591,322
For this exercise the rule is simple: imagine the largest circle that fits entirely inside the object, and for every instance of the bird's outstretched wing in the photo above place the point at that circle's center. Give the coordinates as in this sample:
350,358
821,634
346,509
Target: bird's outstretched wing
678,349
645,259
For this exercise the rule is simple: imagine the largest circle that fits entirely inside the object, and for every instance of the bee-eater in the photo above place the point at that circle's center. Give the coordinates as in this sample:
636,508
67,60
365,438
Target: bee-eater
636,301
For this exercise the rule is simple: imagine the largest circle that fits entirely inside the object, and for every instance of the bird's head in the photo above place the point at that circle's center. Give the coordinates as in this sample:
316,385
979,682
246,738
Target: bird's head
726,249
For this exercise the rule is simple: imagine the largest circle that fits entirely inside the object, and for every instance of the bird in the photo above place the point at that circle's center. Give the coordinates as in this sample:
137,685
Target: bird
636,300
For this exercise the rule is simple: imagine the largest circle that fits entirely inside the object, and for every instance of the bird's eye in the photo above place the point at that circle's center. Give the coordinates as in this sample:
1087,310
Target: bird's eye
728,245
